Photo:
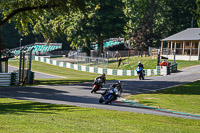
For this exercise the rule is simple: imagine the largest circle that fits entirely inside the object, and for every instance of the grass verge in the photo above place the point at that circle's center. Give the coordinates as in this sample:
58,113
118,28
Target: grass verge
24,116
149,63
70,75
184,98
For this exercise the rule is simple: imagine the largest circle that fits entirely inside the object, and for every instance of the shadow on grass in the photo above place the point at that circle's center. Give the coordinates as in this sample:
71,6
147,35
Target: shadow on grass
34,107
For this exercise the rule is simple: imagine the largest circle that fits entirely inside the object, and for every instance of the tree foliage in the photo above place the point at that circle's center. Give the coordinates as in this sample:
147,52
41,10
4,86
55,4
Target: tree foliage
103,19
86,21
37,15
196,12
169,17
28,12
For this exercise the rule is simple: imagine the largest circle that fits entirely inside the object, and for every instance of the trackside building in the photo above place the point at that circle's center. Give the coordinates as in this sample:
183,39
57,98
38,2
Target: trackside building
186,45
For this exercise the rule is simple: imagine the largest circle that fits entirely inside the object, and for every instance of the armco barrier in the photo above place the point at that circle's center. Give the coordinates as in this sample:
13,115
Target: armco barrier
166,70
5,79
14,78
148,72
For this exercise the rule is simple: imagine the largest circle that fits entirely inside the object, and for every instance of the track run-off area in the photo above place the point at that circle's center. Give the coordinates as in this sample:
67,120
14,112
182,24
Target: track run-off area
79,94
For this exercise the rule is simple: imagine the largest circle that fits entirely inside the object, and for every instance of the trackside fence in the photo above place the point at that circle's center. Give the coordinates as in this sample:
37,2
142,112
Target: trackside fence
148,72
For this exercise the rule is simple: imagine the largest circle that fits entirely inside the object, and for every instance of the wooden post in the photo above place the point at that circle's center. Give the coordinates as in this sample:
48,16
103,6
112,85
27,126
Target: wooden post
181,46
171,45
190,48
168,47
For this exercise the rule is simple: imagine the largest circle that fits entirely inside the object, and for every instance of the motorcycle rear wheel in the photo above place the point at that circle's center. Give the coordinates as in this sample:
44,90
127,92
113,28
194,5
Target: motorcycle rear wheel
101,99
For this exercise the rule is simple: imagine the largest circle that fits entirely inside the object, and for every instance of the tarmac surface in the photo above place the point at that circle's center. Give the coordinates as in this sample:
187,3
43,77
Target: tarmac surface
79,94
38,75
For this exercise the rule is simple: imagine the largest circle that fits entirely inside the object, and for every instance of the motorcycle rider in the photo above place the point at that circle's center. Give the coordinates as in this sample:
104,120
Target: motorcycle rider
112,93
103,78
119,85
140,65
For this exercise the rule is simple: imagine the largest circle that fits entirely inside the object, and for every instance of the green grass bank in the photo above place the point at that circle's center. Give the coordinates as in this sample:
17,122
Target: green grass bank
184,98
24,116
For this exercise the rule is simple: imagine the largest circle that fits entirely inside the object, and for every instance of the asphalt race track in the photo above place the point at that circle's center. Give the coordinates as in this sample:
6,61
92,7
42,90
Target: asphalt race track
79,94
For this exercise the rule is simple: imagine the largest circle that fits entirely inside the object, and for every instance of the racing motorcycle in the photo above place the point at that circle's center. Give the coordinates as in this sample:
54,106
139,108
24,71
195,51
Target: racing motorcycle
140,72
112,93
98,84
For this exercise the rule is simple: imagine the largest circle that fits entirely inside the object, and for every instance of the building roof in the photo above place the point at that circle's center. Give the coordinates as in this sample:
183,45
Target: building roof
188,34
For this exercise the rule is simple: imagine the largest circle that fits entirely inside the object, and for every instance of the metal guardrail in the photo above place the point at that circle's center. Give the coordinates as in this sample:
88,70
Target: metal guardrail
91,61
5,79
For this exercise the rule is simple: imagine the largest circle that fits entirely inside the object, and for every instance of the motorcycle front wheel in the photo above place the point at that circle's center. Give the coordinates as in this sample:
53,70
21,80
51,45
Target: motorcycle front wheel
94,89
109,100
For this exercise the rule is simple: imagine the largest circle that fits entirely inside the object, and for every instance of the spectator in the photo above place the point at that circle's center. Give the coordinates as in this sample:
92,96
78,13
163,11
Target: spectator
164,63
120,60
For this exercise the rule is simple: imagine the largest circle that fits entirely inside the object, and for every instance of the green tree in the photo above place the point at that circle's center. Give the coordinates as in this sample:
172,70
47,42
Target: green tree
141,14
177,15
104,19
196,12
30,14
163,17
108,20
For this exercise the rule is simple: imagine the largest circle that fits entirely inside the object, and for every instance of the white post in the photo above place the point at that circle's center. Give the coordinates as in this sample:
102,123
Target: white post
20,42
174,56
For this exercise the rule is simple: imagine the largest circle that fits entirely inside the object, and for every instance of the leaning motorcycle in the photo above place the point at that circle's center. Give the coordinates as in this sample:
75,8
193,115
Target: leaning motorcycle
112,93
140,73
98,84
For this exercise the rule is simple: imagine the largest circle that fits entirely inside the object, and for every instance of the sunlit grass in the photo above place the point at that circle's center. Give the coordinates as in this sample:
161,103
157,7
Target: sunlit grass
149,63
18,116
184,98
70,75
